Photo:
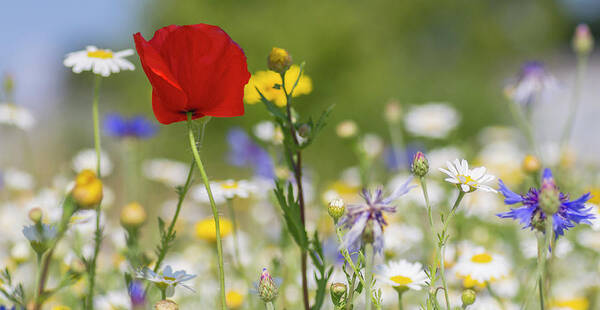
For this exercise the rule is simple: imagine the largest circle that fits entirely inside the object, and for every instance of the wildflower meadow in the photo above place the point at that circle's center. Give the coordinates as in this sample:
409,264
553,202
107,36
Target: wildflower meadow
223,192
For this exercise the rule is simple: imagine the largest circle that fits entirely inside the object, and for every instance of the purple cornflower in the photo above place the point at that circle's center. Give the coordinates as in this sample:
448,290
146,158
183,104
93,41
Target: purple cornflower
137,294
118,126
245,152
359,216
569,212
532,81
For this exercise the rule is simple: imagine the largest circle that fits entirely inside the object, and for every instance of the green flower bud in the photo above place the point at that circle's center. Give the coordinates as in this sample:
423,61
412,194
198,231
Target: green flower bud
583,42
267,290
549,201
339,293
468,297
279,60
35,215
420,165
336,208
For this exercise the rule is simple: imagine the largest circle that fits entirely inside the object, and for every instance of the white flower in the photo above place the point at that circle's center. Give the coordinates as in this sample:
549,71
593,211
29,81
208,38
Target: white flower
468,180
265,131
100,61
478,265
346,129
14,115
87,160
371,145
403,274
399,238
167,279
113,300
169,172
17,180
438,157
224,190
432,120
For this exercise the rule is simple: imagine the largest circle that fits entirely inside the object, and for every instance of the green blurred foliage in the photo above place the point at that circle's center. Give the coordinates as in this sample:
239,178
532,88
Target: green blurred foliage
359,55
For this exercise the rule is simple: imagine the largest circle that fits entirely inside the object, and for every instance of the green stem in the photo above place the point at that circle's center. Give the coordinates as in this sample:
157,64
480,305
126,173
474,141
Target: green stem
580,74
235,232
400,303
98,232
346,254
540,267
212,205
444,239
369,257
350,300
270,306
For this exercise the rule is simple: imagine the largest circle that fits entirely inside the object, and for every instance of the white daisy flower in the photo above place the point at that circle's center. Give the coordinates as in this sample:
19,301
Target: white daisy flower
17,180
113,300
432,120
403,274
399,238
468,180
438,157
224,190
14,115
265,131
100,61
169,172
87,160
371,145
167,279
478,265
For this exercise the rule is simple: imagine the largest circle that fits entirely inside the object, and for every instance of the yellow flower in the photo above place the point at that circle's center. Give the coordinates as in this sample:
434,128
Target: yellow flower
279,60
61,307
234,299
595,191
206,230
578,303
266,80
133,215
88,189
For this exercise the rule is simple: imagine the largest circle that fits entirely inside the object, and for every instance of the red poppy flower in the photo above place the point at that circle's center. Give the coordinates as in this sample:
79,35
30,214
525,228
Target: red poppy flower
193,68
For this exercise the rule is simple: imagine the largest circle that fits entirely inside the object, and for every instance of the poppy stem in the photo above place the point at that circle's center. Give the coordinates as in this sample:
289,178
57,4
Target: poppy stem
98,232
212,205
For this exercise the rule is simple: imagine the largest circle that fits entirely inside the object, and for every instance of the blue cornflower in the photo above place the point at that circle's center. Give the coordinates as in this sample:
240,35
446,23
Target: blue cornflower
137,294
245,152
531,214
119,126
531,83
370,214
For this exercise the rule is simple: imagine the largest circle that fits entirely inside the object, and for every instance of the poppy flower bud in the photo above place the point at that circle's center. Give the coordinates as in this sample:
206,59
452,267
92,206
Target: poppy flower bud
583,42
420,165
393,111
346,129
338,294
468,297
336,208
166,305
35,215
88,189
133,215
267,290
531,164
279,60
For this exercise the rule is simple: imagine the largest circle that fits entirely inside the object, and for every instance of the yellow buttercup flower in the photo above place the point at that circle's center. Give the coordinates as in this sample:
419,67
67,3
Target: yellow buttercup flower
206,230
265,81
88,189
234,299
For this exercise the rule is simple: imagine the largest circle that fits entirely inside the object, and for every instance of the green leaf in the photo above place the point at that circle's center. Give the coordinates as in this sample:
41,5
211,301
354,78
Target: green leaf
315,129
271,107
291,215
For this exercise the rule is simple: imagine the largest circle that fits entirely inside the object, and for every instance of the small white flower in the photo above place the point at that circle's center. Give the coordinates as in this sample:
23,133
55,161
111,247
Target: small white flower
479,265
468,180
14,115
403,274
87,160
113,300
100,61
371,145
224,190
167,279
17,180
169,172
265,131
432,120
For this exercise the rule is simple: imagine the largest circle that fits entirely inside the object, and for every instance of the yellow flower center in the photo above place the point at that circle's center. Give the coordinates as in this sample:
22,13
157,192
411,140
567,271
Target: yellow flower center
401,280
169,278
466,179
102,54
482,258
229,185
575,304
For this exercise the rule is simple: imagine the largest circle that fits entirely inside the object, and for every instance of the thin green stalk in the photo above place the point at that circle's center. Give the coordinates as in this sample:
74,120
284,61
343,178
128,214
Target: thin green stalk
369,257
579,76
270,306
212,205
98,232
540,268
347,257
432,230
236,243
350,300
442,243
400,303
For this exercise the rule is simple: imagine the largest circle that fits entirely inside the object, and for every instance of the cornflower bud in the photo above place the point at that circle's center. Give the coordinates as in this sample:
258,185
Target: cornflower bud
531,164
166,305
338,294
420,165
336,208
468,297
267,290
279,60
133,215
583,42
88,189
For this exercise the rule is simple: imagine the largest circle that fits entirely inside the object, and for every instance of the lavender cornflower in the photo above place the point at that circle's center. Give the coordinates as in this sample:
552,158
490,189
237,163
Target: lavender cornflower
532,215
530,84
118,126
359,217
245,152
137,294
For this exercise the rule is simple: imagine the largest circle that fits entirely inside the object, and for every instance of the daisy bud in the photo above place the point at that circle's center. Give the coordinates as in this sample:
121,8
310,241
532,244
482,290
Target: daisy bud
336,208
420,165
468,297
35,215
393,111
88,189
166,305
338,294
531,164
279,60
346,129
583,42
133,215
267,290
